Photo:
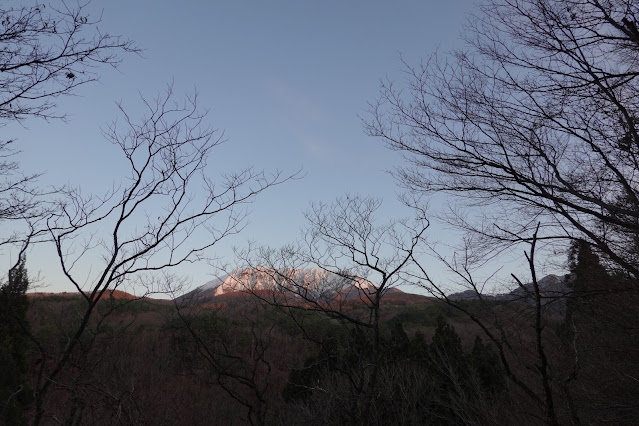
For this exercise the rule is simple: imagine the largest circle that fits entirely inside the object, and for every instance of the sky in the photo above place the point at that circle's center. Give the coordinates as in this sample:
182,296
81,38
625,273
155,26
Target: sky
288,83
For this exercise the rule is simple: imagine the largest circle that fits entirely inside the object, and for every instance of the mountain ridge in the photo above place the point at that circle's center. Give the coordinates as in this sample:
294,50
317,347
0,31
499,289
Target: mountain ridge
305,284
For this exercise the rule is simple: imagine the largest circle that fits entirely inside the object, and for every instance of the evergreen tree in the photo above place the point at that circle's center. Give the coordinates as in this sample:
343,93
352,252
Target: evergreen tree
588,279
465,379
449,370
601,339
446,341
14,393
399,343
487,367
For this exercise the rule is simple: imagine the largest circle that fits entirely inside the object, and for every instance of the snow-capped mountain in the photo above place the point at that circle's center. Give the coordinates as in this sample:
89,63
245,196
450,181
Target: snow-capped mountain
309,284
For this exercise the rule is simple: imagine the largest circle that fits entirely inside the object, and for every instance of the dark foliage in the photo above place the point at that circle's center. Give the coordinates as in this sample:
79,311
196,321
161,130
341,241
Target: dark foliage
15,394
602,340
461,382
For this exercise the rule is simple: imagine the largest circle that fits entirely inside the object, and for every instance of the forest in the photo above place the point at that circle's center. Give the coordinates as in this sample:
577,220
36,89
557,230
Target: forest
531,132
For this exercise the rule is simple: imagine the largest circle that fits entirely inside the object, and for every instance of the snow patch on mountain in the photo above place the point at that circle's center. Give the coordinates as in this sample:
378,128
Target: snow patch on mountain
309,284
311,280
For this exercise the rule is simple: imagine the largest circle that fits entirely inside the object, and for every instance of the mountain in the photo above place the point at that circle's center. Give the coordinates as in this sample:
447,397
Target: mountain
304,284
116,294
552,288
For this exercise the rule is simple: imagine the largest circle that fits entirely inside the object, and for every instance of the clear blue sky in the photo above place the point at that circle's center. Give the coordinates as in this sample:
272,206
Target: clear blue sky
285,80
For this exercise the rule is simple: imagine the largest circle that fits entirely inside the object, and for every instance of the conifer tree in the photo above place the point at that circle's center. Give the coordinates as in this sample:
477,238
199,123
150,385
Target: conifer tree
601,339
588,278
14,393
486,366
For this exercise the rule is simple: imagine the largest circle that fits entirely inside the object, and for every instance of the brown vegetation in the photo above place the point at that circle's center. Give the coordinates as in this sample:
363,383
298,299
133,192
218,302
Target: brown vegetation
147,369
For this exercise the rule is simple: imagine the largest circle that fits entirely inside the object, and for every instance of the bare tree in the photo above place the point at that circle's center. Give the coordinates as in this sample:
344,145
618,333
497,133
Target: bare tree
521,333
357,261
536,121
45,52
242,373
167,212
533,129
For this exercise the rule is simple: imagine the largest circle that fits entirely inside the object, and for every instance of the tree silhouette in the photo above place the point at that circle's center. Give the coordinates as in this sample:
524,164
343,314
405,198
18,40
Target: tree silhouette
535,122
136,233
532,131
15,395
45,52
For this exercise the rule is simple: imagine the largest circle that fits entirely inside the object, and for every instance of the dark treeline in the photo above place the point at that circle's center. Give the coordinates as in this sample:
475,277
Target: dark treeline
254,363
141,361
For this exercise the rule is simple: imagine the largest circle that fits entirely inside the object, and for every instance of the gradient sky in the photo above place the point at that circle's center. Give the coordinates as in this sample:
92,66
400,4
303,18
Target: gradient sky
285,80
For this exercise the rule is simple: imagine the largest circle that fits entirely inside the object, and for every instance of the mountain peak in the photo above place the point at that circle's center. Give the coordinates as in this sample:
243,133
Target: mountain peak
306,283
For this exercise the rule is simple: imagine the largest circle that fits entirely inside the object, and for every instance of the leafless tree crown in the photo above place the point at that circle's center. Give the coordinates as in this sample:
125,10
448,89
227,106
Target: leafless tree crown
537,119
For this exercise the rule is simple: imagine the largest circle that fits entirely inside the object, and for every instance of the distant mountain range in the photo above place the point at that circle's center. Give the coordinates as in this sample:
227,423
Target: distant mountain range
314,284
552,288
